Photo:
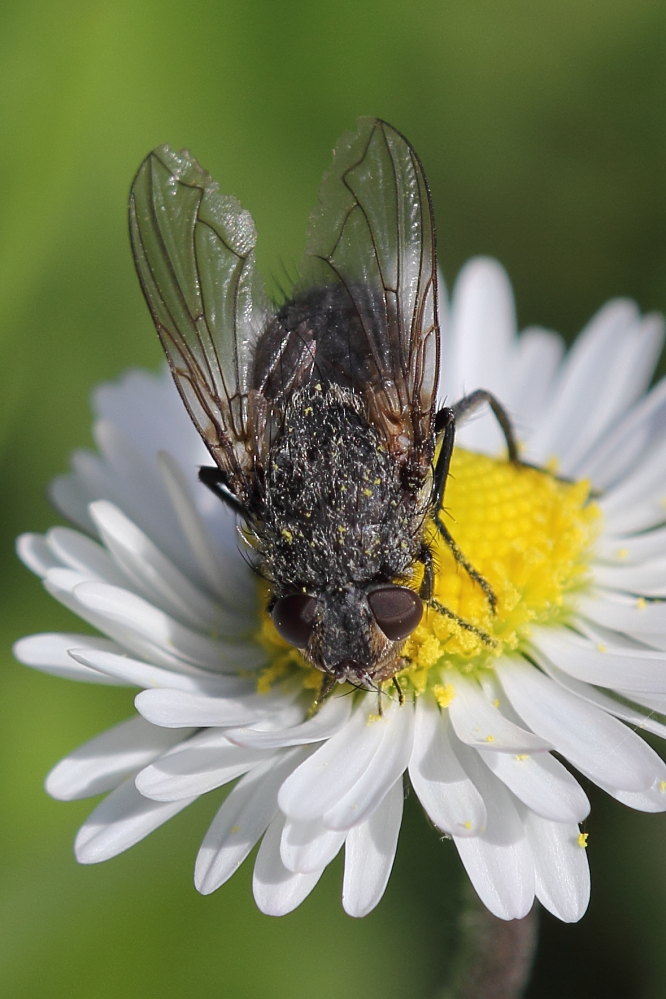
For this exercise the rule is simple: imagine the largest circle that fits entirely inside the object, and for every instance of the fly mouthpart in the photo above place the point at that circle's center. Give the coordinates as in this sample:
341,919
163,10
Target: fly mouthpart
353,672
346,668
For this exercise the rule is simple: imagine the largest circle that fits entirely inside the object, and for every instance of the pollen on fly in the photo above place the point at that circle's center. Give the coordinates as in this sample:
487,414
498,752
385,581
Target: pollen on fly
320,414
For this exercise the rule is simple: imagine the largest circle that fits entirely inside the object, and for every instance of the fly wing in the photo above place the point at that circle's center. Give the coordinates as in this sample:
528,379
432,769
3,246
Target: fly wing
194,253
374,236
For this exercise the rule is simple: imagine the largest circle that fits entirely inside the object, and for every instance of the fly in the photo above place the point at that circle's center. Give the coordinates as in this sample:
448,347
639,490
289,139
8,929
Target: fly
320,414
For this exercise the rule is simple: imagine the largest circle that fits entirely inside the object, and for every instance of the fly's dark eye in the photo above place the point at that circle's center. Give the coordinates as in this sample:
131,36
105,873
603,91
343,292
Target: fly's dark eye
293,617
397,610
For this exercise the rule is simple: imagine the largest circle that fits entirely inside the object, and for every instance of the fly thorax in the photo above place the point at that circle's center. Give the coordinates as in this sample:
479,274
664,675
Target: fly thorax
335,507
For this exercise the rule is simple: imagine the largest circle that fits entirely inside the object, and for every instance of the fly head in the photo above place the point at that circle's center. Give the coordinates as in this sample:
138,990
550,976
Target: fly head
352,634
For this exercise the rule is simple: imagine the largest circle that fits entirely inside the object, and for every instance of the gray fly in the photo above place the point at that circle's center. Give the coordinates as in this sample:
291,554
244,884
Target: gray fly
319,414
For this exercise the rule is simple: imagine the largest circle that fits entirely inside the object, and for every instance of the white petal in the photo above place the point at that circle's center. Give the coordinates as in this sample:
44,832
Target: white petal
608,637
50,653
180,708
602,665
477,722
638,618
533,372
444,789
638,502
542,783
116,667
648,579
334,767
277,890
122,819
217,559
62,584
129,479
594,742
619,375
204,762
348,775
655,703
632,440
70,497
79,552
369,853
92,477
595,367
562,871
105,761
135,615
331,716
154,576
240,821
36,554
630,549
306,847
484,325
150,401
386,769
498,861
628,709
652,800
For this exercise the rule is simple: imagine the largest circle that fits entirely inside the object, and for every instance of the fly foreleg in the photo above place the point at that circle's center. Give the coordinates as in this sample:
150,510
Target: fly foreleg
216,480
445,429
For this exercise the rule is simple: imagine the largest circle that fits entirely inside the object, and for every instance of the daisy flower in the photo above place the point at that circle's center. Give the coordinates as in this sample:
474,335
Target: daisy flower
565,675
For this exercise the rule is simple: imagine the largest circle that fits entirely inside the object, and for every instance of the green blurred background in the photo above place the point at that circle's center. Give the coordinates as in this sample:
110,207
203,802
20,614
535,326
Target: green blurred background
542,127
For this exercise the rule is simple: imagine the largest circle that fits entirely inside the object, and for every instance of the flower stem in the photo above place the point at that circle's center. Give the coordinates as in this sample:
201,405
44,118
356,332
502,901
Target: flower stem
494,955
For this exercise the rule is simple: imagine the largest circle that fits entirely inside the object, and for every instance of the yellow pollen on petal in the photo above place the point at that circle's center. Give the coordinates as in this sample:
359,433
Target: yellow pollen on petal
582,840
662,786
444,693
278,669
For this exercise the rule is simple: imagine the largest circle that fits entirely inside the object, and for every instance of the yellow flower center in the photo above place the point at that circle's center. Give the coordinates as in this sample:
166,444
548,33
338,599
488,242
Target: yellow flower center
527,533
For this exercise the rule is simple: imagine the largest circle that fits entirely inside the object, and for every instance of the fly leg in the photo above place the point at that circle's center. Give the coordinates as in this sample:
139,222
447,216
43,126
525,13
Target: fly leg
217,482
329,681
469,403
445,425
425,592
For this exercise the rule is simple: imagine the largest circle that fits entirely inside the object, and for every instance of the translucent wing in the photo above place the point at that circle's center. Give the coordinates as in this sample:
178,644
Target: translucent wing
374,236
194,253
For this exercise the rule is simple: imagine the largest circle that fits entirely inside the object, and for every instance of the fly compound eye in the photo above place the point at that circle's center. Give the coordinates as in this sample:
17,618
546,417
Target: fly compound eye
397,610
293,617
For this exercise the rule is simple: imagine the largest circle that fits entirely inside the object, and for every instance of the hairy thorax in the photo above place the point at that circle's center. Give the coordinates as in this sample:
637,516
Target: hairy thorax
335,507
